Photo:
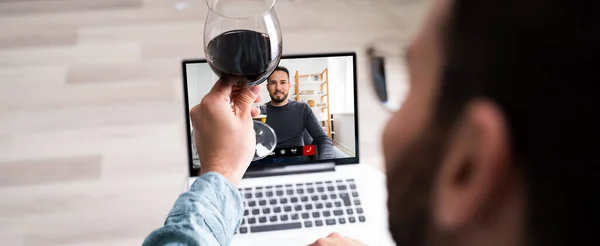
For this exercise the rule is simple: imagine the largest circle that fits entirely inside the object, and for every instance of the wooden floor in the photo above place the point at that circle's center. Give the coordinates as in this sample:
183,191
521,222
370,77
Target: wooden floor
92,135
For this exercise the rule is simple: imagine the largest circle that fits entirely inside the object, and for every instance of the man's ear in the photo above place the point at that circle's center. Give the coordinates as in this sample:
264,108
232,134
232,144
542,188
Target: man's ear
474,166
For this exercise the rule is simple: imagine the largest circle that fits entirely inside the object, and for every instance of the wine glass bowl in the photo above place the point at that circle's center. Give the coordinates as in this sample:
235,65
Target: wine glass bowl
242,40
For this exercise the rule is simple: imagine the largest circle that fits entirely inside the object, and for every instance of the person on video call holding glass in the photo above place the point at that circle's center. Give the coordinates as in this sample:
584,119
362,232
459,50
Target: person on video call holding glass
289,119
493,145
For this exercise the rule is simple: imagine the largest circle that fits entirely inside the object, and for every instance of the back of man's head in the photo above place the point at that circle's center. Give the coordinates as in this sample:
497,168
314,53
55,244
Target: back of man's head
538,61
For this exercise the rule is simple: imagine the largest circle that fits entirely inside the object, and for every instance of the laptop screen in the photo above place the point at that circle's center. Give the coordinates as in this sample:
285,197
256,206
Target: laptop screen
314,114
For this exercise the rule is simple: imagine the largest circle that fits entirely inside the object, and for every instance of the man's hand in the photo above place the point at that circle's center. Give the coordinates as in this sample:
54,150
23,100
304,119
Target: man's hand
335,239
223,129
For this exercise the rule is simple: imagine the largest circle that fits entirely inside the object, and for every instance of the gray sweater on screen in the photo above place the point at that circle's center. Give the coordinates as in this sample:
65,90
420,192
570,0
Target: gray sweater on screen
290,121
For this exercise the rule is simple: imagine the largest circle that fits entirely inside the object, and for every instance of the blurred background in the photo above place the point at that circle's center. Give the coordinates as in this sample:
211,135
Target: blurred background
92,126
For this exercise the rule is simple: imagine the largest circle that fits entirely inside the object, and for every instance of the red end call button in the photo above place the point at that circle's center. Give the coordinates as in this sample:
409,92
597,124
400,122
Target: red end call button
309,150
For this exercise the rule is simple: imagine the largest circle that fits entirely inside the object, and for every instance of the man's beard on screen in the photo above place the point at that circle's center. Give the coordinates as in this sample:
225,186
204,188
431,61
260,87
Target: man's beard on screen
278,100
410,184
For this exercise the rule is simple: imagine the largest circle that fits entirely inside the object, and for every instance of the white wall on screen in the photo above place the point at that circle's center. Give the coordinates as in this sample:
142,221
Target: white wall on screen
200,79
343,125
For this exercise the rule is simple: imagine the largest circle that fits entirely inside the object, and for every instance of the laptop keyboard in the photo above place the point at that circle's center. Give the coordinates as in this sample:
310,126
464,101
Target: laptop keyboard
301,205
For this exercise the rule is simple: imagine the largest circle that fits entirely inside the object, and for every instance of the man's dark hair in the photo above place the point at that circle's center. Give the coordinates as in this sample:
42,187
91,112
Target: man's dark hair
281,68
538,61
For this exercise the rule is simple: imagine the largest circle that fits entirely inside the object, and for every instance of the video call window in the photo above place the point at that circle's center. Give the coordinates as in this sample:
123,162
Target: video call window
311,109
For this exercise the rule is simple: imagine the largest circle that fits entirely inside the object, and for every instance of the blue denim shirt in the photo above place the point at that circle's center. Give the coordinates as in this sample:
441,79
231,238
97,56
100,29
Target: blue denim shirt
208,214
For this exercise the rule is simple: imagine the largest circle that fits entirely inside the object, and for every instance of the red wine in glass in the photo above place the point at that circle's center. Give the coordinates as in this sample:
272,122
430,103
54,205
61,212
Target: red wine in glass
241,53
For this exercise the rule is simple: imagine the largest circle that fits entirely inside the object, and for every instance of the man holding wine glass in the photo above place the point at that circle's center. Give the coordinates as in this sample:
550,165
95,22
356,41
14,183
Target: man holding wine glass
478,154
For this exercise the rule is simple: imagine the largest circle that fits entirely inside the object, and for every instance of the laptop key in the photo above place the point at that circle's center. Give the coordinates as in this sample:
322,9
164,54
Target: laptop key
330,222
353,186
269,193
308,206
326,213
319,223
287,208
342,220
310,190
359,210
290,192
243,230
308,224
252,203
338,212
320,189
316,215
304,199
294,200
305,215
284,217
352,220
251,221
324,197
328,205
288,185
266,210
295,216
300,191
255,211
273,218
319,205
279,193
243,221
356,202
349,211
258,194
262,202
339,181
342,187
330,188
354,194
273,201
298,208
320,182
248,195
278,186
277,210
338,204
333,196
246,212
361,218
276,227
283,200
314,198
345,199
262,219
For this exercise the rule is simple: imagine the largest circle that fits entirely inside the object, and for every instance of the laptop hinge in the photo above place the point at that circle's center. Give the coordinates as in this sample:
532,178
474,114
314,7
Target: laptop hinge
289,169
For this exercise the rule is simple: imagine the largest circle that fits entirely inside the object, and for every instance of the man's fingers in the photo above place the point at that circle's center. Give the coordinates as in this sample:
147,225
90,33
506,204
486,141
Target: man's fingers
243,101
321,242
255,112
256,91
222,88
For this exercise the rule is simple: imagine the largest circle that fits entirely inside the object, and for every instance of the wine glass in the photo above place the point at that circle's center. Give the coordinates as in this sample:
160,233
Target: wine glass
242,43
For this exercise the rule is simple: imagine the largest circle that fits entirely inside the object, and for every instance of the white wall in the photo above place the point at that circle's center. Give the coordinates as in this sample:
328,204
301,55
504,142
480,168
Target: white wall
200,80
343,125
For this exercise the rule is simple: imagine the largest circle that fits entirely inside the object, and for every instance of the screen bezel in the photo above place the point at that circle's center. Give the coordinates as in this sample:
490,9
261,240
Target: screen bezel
340,161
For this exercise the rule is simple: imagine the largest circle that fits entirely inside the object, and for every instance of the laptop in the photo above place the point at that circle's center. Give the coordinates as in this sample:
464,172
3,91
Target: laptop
297,194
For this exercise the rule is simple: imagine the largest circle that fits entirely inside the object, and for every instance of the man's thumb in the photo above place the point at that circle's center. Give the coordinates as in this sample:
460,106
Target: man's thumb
244,99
